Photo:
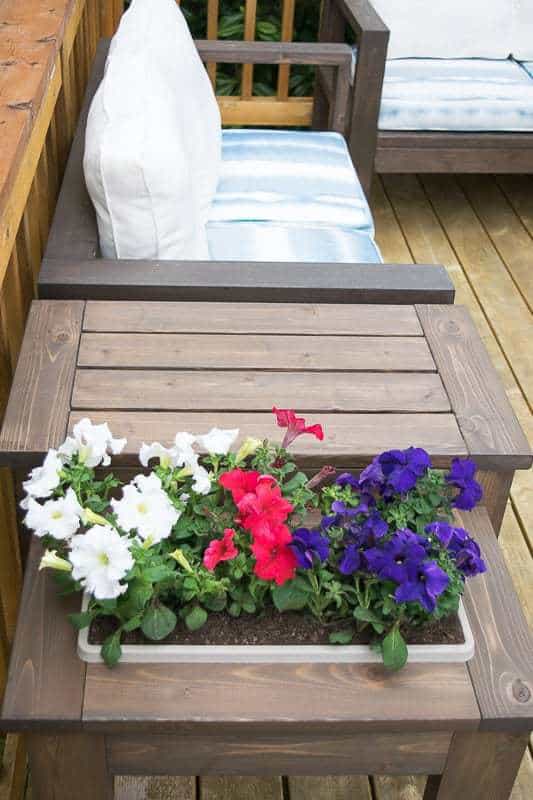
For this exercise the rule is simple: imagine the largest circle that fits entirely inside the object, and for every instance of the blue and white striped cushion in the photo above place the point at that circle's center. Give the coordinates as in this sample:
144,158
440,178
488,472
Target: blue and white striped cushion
456,95
274,241
289,176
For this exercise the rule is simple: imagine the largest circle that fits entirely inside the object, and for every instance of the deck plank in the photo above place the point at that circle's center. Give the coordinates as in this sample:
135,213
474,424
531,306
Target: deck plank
511,320
429,243
134,787
519,191
240,788
402,787
342,787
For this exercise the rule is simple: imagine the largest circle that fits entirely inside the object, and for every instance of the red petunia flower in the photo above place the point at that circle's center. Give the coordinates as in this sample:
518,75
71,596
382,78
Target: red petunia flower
220,550
275,561
239,482
296,426
263,509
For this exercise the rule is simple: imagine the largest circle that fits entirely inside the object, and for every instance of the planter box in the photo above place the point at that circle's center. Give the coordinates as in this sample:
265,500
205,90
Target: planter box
276,654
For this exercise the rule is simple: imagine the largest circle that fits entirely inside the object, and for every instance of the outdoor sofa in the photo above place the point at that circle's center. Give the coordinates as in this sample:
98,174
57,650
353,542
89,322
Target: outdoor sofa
458,87
289,220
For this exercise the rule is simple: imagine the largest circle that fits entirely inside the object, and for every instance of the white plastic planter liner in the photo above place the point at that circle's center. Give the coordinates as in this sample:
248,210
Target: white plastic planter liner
276,654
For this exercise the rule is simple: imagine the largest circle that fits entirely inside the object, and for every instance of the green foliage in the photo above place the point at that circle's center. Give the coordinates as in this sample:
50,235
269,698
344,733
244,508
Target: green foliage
394,650
158,622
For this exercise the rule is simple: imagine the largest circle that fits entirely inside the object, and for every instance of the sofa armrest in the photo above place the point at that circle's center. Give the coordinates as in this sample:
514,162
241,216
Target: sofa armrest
332,55
372,37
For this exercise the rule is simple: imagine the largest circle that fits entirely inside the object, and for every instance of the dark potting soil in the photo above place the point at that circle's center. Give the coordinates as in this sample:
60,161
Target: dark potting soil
271,627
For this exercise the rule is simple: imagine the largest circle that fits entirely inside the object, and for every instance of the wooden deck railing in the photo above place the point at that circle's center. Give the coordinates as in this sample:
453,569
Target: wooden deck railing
46,50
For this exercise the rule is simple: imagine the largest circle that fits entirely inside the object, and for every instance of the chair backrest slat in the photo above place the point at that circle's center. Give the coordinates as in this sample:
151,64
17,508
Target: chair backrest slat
212,33
287,30
250,17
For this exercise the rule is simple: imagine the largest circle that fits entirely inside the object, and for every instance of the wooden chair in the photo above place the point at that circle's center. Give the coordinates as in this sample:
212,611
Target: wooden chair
73,267
434,151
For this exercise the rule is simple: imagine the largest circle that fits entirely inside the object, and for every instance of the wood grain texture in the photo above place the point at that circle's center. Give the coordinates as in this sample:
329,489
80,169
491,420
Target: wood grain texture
485,416
154,788
69,766
271,698
46,678
496,488
482,766
256,391
390,787
293,353
43,379
252,318
246,752
100,279
502,667
241,788
346,787
225,51
351,440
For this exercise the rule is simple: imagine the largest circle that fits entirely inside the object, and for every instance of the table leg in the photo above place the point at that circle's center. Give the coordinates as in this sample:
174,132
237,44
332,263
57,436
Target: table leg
480,766
496,490
71,766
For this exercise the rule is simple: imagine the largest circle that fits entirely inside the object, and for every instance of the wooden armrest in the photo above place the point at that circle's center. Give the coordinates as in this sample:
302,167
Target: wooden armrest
237,52
362,17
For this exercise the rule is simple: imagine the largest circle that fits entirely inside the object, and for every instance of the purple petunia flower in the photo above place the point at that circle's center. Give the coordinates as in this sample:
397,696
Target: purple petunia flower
352,559
462,547
402,468
425,582
309,547
375,526
390,560
461,475
347,479
372,477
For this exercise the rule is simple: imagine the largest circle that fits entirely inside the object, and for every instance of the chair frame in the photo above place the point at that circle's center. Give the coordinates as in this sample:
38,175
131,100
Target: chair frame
426,151
73,267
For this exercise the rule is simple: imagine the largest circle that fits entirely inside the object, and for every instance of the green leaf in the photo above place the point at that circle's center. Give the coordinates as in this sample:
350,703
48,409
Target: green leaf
289,596
394,650
133,602
158,622
365,615
132,624
341,637
111,649
157,573
235,609
196,618
215,602
81,620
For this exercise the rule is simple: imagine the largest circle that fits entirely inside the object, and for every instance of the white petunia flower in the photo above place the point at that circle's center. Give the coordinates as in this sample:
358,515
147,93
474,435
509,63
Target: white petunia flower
146,508
100,559
168,456
58,518
184,453
51,560
43,480
93,443
218,441
201,483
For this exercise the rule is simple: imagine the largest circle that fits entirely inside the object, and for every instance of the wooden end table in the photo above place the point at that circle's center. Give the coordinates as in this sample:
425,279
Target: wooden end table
375,377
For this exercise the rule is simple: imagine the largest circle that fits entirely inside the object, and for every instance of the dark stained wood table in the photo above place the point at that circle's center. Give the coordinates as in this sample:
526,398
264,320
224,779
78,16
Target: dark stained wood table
376,377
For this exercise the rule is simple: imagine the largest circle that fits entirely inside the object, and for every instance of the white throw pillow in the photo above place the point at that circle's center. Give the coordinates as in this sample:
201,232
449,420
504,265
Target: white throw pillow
152,151
448,28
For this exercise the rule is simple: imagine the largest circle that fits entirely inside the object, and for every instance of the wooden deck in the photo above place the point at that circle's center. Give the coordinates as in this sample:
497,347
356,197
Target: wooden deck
481,228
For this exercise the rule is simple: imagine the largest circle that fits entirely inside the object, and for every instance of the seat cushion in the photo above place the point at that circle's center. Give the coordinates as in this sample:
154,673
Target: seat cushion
276,241
296,177
456,95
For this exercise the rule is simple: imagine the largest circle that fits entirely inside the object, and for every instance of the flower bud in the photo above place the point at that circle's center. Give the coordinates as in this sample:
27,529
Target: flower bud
51,560
90,518
248,448
179,556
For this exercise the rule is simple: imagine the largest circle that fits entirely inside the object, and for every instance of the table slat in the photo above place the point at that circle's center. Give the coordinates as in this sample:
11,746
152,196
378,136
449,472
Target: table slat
348,696
258,391
250,351
38,408
485,416
297,318
502,667
350,439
